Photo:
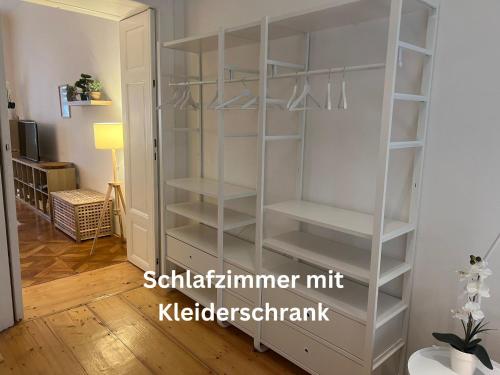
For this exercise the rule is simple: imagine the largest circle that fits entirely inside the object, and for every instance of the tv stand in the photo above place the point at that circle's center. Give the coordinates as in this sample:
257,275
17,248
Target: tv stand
34,181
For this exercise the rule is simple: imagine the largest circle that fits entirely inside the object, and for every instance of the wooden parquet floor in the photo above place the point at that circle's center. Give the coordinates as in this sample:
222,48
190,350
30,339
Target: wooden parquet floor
48,254
105,322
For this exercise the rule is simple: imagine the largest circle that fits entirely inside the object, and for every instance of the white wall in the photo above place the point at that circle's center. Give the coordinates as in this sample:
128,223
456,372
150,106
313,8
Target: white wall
460,212
47,47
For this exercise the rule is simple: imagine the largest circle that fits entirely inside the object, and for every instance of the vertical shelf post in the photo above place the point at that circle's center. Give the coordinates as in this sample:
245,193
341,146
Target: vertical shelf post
261,158
381,182
200,116
303,123
220,166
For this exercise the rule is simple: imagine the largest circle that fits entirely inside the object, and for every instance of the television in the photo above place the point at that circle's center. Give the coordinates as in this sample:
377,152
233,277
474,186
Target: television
28,140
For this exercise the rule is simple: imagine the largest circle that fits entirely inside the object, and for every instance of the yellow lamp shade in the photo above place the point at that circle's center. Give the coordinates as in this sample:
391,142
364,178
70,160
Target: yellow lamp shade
108,136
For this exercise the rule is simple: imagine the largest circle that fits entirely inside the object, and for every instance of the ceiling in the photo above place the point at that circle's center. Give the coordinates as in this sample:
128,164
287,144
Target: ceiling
115,10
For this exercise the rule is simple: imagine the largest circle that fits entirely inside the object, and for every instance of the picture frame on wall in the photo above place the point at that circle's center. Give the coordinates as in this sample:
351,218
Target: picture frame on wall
63,101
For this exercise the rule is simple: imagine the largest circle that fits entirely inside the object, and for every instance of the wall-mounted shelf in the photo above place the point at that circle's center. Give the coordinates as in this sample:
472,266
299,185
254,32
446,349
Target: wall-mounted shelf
88,103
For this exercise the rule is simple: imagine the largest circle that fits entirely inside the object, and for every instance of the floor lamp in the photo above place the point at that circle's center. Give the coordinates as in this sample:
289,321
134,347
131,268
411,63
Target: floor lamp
109,136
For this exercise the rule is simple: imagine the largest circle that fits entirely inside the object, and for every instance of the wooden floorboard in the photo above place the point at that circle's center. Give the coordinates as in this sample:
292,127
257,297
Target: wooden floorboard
140,336
58,295
31,348
93,344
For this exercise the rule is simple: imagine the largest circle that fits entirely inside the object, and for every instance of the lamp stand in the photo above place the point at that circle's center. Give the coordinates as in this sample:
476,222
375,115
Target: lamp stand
114,186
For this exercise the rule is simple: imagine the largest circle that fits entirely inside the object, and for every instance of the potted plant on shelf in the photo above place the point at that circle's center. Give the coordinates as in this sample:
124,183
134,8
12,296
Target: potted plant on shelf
464,351
95,89
84,85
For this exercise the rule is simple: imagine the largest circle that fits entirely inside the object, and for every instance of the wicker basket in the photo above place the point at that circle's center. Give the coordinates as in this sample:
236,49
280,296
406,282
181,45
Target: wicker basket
76,213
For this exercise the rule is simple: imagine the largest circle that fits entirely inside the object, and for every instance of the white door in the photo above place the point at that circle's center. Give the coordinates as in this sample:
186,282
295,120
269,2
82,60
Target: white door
139,120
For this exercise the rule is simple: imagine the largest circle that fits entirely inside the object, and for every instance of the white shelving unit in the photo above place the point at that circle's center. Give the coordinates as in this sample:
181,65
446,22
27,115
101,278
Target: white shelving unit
366,309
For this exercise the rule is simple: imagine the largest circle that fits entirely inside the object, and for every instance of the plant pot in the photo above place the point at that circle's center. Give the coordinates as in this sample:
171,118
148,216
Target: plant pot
95,95
462,363
84,96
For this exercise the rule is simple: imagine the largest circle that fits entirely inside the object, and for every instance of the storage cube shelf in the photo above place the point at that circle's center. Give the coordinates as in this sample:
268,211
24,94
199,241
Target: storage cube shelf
33,183
370,324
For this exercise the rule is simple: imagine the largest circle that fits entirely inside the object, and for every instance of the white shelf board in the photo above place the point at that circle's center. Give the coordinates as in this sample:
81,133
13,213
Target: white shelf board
348,260
236,251
88,103
351,301
204,296
400,145
345,12
210,187
206,213
410,97
234,37
346,221
414,48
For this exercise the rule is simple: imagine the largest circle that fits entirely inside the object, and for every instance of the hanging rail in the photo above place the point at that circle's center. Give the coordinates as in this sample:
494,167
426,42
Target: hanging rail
286,75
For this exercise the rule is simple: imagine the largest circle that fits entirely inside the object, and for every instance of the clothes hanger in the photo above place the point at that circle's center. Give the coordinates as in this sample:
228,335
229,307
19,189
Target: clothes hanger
328,99
306,93
181,98
176,95
246,93
251,104
343,93
214,100
189,101
294,93
276,102
400,57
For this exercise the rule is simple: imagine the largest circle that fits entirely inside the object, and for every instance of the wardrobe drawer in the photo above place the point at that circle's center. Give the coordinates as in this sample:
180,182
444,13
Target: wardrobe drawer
189,256
339,331
248,293
307,352
229,300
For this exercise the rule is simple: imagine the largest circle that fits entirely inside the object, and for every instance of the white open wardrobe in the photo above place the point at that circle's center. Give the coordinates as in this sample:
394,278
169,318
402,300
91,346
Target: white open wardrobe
295,145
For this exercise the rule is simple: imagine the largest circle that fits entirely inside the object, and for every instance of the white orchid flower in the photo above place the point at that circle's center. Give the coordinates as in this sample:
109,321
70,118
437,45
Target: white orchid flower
484,273
460,314
474,309
480,269
474,288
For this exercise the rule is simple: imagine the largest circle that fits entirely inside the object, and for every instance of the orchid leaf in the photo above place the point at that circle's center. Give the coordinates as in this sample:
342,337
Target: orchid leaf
481,353
451,339
471,346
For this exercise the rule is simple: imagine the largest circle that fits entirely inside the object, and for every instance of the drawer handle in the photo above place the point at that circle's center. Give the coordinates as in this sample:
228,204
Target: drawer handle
190,257
306,350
